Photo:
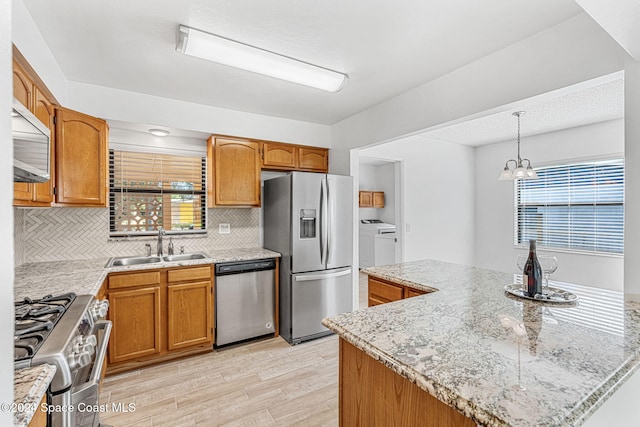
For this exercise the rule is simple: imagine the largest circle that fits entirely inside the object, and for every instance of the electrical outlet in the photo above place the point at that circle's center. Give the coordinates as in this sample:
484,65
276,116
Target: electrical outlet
224,228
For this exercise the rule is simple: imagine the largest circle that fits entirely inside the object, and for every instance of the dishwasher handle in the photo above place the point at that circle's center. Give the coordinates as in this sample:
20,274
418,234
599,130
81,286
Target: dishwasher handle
239,267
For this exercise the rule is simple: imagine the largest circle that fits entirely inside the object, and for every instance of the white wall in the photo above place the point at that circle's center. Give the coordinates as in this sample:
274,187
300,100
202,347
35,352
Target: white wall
495,204
379,178
632,181
440,226
571,52
6,214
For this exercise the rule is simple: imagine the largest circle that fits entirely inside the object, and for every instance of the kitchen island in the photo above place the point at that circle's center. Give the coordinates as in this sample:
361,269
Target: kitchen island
487,357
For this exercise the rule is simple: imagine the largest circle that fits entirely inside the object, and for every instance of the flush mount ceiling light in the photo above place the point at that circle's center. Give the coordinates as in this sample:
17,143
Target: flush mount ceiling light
519,171
239,55
159,132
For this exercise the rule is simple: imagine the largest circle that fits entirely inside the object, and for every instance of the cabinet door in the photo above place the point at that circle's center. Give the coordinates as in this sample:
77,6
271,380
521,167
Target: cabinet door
382,292
378,199
136,323
43,110
23,92
313,159
279,156
365,199
81,159
190,314
236,172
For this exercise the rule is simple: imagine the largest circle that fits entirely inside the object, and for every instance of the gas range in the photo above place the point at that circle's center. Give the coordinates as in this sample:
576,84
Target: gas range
69,332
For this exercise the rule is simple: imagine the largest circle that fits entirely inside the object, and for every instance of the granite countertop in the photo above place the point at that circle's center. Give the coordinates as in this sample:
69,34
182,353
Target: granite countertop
35,280
462,344
30,385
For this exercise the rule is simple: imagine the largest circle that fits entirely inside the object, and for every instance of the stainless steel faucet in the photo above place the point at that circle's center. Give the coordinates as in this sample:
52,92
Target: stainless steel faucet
160,234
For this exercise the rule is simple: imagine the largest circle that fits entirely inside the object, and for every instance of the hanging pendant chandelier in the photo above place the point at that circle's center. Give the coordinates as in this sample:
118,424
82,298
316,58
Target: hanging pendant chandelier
519,170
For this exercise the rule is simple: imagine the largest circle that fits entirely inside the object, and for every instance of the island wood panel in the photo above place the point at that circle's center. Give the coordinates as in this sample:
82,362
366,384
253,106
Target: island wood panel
370,394
410,292
136,313
39,418
81,159
190,314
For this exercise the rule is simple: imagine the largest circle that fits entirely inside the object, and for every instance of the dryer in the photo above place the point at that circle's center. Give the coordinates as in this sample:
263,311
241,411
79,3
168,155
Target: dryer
377,243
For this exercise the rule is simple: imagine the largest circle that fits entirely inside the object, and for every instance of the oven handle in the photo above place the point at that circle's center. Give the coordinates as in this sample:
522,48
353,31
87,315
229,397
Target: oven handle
101,353
101,350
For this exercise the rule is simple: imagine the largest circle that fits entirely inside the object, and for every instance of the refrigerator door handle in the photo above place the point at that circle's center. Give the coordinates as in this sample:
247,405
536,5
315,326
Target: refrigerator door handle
329,219
323,221
322,276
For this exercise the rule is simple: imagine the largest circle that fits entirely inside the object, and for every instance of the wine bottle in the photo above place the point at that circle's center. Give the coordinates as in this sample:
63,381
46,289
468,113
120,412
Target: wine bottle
532,272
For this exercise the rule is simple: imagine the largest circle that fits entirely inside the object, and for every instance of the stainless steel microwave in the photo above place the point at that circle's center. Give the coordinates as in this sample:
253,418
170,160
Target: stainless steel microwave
30,146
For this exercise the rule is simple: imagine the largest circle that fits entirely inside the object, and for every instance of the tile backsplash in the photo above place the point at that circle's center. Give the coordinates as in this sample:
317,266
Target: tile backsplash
58,234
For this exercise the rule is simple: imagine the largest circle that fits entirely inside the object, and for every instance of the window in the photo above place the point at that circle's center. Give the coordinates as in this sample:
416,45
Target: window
576,206
148,191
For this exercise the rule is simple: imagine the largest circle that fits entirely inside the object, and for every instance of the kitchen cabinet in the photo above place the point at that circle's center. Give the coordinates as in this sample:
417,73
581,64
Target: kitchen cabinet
378,199
382,291
33,97
189,307
81,159
313,159
291,157
159,315
371,199
235,179
365,199
278,156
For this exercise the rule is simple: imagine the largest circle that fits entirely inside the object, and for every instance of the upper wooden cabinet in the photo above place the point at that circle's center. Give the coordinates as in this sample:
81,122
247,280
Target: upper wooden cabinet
81,159
365,199
235,179
279,156
313,159
378,199
34,98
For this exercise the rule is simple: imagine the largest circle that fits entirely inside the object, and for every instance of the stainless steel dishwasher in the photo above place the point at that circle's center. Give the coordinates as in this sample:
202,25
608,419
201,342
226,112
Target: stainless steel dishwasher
244,300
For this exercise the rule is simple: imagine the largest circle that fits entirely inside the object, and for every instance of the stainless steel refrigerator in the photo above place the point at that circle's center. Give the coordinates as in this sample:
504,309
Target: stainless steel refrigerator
308,218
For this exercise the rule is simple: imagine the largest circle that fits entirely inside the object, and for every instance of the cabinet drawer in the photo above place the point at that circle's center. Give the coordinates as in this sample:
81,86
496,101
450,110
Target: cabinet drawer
413,293
384,292
130,280
186,274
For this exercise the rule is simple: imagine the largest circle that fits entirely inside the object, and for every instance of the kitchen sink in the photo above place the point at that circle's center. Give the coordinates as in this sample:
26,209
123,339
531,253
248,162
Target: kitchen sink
132,260
185,257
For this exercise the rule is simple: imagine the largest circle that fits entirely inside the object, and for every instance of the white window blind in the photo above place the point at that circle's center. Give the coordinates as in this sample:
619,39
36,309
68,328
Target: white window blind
148,191
575,206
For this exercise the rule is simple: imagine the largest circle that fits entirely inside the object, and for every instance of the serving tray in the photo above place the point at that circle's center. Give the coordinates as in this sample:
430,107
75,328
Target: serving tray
549,294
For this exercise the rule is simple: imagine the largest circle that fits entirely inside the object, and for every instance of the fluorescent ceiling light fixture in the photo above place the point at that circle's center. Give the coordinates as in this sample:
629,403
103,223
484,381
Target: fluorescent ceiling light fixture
239,55
159,132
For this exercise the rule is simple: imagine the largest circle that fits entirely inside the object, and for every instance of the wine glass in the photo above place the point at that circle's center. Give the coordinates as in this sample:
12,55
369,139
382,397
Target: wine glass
549,265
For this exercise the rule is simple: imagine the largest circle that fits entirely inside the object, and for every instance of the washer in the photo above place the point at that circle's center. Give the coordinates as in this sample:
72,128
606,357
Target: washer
376,251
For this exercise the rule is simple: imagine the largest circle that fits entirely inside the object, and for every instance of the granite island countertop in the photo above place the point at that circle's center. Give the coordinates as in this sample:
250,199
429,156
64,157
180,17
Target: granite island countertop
29,386
35,280
462,344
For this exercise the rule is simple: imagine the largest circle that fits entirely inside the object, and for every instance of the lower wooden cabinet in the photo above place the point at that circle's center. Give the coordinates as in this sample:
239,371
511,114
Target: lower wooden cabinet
382,291
159,315
136,323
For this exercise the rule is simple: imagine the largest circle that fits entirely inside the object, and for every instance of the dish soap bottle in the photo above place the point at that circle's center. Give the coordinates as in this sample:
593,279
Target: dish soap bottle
170,247
532,272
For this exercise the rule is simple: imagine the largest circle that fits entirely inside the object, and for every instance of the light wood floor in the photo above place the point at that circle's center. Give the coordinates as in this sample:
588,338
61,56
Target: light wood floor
263,383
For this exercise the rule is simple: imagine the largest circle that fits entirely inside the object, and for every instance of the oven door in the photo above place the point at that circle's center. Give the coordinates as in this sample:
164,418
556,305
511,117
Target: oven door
85,390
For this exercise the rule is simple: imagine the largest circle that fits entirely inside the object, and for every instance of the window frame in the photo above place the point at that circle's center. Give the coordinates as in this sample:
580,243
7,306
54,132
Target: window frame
113,192
560,249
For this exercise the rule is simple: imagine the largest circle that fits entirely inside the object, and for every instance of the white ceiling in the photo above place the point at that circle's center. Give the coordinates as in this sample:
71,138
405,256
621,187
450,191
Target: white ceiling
385,47
548,113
